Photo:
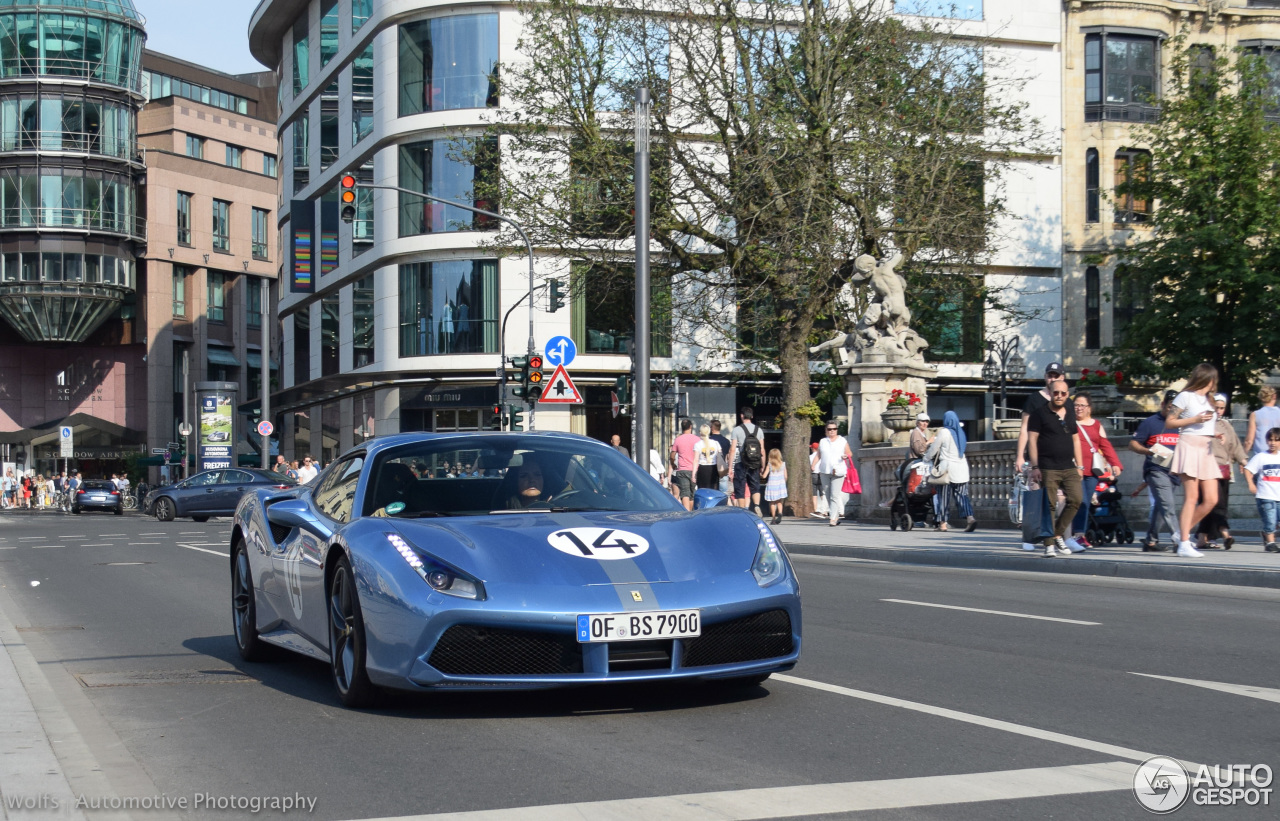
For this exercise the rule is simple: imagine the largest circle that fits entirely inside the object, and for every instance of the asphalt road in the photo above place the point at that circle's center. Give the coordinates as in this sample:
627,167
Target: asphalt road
953,713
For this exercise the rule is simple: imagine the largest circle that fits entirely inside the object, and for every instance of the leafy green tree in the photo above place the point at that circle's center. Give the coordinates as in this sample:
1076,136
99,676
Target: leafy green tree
1209,266
788,138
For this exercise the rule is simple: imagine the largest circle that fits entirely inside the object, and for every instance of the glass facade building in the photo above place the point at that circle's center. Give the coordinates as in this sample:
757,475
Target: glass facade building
70,230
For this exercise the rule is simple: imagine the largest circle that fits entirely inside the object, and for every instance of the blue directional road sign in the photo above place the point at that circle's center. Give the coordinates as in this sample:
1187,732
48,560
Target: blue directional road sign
559,351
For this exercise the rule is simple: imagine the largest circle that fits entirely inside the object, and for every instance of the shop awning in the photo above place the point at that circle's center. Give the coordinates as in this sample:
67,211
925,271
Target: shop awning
254,360
222,356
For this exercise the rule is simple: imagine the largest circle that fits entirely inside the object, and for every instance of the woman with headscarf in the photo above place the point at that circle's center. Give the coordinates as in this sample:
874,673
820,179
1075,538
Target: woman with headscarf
947,451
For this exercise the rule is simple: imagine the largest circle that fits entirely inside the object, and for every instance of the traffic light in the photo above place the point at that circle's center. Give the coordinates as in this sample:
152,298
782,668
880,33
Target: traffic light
530,387
348,197
622,387
517,417
556,298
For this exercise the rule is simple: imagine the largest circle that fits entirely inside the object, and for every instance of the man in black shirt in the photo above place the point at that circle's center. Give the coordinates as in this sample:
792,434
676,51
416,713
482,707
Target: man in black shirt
1056,459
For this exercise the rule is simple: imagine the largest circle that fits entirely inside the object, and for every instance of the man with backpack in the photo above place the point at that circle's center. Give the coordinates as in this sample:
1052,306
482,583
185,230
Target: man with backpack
748,451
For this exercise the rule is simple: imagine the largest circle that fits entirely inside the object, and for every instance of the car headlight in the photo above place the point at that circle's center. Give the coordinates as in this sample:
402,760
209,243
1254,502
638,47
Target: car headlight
769,565
441,578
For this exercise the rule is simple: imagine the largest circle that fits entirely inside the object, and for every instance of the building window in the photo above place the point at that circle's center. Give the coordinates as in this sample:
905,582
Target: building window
362,95
954,9
329,126
221,225
329,335
1092,204
260,218
449,62
449,307
434,168
360,11
1126,302
184,218
269,165
1269,55
195,147
301,55
235,156
1092,309
602,311
216,310
1121,77
1203,68
328,31
1133,166
302,345
156,85
948,311
179,290
362,340
301,129
253,302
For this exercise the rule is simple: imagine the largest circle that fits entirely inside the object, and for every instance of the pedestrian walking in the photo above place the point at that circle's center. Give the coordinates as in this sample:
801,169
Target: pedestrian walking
1262,420
832,467
1056,460
946,452
709,459
307,472
815,480
748,450
7,485
26,492
684,457
775,488
726,447
1263,475
1100,462
1156,440
1193,415
616,442
1037,530
1227,452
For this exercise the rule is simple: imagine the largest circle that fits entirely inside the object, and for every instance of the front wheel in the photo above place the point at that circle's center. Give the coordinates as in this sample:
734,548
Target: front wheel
346,639
244,611
164,510
199,518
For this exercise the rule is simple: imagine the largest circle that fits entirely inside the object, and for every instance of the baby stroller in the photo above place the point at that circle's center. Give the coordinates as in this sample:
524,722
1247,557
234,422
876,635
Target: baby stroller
1107,522
913,503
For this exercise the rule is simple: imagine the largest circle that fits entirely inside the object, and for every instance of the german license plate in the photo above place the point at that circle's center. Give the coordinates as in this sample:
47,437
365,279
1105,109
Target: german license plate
97,498
639,626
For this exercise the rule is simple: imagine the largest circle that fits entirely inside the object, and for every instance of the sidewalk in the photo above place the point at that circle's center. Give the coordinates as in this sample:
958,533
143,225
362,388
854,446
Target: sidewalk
1246,564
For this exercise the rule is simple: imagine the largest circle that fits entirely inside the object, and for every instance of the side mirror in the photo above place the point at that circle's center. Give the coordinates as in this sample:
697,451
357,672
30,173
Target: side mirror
293,513
706,498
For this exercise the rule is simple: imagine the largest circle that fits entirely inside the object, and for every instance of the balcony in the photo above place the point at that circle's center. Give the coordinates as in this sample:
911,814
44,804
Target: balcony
74,143
85,220
58,311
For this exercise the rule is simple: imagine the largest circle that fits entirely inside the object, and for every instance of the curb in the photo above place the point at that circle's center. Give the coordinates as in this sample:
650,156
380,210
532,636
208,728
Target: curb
1035,563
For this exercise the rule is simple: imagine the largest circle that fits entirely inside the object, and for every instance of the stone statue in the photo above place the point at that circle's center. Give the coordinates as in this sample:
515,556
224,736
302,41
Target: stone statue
885,328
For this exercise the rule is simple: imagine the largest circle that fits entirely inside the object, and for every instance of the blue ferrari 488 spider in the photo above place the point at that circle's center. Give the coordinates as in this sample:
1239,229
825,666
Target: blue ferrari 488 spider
507,560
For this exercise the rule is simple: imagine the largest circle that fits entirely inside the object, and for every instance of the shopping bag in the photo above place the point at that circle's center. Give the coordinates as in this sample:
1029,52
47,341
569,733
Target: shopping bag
1034,503
852,484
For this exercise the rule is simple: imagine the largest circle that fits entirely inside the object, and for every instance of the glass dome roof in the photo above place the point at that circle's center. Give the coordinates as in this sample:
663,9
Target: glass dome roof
115,8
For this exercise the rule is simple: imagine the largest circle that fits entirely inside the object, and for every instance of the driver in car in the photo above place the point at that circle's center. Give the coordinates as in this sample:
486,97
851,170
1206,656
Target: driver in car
530,483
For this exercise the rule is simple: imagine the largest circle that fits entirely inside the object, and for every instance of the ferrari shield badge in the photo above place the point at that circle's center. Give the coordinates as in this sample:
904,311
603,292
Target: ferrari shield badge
598,543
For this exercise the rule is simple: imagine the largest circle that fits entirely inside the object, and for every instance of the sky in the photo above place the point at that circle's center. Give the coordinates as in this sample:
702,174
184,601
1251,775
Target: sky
212,33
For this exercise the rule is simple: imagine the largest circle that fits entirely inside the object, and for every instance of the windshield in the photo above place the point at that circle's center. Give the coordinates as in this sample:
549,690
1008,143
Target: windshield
475,475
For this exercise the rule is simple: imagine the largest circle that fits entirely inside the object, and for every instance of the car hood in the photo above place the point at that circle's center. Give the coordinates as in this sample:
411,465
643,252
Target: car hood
522,547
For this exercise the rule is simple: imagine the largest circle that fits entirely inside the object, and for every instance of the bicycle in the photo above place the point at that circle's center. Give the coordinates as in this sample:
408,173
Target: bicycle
62,501
129,500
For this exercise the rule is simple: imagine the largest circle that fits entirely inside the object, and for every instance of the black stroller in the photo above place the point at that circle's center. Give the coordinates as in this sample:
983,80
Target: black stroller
1107,522
913,503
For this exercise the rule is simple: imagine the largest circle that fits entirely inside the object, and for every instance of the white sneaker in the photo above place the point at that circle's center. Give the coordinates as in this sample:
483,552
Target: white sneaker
1028,546
1050,552
1074,546
1062,546
1185,549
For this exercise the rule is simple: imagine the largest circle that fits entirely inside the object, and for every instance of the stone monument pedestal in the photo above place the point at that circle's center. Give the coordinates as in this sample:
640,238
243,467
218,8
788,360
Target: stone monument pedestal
867,387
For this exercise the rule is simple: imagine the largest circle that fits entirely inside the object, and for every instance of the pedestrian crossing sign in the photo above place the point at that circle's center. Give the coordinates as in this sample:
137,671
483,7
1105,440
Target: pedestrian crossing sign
560,389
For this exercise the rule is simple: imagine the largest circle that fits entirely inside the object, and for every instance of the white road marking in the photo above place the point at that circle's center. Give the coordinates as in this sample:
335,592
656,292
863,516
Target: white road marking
43,546
192,532
994,612
203,550
145,544
823,799
1264,693
970,718
73,537
29,538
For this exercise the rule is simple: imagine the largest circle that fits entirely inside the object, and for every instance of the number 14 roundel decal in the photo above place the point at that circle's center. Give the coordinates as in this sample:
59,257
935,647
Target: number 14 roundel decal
598,543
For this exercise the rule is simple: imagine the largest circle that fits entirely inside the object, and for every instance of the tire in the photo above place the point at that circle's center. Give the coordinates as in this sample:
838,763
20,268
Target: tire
164,509
119,511
1128,536
347,640
1093,536
75,510
907,522
199,518
244,609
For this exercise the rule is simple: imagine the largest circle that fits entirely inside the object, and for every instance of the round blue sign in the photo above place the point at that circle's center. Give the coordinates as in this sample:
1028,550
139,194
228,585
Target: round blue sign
559,350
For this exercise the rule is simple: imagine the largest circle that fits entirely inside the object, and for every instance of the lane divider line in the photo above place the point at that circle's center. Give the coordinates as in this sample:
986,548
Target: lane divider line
204,550
994,612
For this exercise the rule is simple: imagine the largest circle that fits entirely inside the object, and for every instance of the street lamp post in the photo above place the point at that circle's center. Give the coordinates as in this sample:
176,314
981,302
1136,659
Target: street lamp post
1003,363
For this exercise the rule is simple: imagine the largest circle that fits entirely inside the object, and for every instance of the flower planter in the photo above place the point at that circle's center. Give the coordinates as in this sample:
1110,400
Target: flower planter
898,419
1007,428
1106,399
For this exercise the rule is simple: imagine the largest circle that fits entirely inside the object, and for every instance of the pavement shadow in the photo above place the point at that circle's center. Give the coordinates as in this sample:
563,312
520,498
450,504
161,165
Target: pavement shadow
301,677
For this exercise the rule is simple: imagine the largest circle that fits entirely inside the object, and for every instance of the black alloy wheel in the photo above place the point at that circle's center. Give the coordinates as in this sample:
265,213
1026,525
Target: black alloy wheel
346,639
244,612
164,509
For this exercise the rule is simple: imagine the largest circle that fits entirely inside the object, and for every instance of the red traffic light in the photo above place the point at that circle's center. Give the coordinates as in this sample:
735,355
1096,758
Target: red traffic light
535,362
348,181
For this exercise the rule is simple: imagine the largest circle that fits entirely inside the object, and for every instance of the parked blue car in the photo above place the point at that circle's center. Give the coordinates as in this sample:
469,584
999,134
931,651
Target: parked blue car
97,494
211,493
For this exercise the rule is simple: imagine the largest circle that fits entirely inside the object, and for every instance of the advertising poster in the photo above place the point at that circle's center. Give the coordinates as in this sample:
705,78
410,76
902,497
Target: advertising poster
215,430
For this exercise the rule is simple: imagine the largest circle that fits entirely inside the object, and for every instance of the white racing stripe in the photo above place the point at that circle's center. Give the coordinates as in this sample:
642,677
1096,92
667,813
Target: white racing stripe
994,612
823,799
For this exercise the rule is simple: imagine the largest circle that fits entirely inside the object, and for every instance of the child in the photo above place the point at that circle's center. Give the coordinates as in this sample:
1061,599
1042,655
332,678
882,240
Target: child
775,489
1266,467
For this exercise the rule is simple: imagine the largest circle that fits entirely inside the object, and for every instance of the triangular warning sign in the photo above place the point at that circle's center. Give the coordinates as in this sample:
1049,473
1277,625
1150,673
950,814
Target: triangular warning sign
560,389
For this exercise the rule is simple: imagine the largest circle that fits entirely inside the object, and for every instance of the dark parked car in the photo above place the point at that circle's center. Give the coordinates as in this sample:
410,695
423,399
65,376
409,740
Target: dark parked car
211,493
98,494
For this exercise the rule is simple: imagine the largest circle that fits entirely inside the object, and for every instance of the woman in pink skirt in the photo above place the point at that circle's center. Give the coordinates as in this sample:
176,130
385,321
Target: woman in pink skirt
1193,413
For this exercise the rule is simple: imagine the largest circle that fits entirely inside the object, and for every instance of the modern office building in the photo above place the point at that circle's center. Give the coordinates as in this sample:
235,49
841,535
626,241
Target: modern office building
209,140
394,323
71,232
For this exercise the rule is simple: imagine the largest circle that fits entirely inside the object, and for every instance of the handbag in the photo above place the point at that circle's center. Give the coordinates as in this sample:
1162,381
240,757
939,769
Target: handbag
938,474
722,467
852,484
1099,466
